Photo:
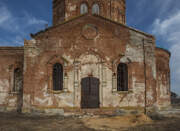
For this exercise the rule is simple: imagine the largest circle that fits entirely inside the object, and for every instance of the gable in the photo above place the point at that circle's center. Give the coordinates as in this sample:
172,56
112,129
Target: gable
86,33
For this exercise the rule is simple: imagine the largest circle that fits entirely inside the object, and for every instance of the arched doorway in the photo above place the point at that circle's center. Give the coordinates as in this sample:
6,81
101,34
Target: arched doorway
90,92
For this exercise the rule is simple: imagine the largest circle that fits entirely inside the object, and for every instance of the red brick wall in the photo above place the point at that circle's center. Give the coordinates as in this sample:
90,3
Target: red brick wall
66,43
111,9
10,59
163,77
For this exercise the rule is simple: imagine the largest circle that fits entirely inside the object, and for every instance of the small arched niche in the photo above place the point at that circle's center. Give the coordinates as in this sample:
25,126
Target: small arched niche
95,9
83,8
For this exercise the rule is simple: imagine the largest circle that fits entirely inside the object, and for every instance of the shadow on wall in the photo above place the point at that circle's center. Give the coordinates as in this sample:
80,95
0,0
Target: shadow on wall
175,99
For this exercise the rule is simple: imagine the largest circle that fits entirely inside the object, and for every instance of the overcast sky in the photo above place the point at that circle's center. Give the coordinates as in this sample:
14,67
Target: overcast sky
19,18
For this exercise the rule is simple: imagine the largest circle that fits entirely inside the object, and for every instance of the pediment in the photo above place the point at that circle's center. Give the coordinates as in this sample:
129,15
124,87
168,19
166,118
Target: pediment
89,30
58,59
91,23
85,33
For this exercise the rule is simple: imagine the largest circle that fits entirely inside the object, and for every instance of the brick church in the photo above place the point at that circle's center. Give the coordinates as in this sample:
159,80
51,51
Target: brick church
88,59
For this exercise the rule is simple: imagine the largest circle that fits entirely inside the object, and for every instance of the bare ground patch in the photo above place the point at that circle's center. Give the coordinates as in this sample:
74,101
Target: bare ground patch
16,122
116,122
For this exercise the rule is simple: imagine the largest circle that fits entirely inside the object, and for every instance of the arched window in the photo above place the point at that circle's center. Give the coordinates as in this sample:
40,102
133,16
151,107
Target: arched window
57,77
95,9
122,77
83,8
17,80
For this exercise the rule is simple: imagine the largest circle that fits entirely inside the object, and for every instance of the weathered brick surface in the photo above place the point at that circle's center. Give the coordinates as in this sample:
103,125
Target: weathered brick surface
10,58
98,56
68,9
163,77
88,45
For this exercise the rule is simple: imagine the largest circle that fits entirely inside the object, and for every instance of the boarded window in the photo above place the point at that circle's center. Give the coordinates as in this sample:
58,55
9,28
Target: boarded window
122,77
83,8
95,9
17,80
57,77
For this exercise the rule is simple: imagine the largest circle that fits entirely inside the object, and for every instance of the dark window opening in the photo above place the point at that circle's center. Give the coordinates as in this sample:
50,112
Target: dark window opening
95,9
83,8
57,77
122,77
17,80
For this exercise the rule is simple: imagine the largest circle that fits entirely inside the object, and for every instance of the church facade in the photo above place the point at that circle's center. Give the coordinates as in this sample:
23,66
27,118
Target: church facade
88,59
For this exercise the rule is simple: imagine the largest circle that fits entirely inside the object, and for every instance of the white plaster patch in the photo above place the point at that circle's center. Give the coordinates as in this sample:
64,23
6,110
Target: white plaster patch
96,38
65,103
50,102
107,58
26,100
68,59
89,65
88,58
12,102
133,83
95,50
43,101
3,97
72,8
136,55
150,94
46,99
124,60
33,41
89,69
4,84
154,70
44,90
64,100
163,91
67,15
33,52
42,73
139,87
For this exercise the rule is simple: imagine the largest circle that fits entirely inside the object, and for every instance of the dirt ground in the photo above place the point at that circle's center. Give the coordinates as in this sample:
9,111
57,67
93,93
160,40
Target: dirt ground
21,122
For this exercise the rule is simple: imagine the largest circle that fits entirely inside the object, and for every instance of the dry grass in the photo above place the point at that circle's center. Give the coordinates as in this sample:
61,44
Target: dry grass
116,122
15,122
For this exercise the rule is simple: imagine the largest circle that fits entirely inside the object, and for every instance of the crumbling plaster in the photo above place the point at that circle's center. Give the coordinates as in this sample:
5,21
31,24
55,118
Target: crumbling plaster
94,47
10,58
163,77
68,9
82,57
